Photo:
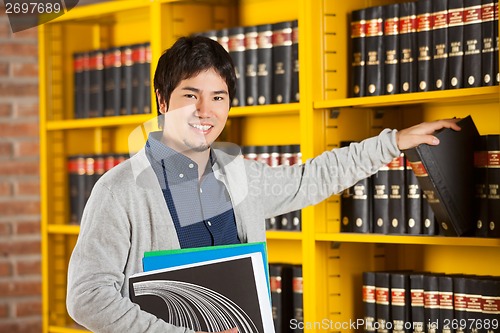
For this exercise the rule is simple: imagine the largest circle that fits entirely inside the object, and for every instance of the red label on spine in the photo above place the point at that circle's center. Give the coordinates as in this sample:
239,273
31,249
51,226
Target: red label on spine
369,294
425,22
358,29
391,26
419,169
374,28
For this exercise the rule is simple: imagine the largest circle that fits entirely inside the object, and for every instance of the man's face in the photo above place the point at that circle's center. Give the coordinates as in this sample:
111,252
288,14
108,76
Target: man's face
197,113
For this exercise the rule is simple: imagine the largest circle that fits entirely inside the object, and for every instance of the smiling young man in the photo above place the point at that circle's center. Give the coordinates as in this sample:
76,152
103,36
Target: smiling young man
182,191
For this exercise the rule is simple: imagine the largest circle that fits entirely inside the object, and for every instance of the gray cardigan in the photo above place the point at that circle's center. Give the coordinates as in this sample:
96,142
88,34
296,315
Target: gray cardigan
126,215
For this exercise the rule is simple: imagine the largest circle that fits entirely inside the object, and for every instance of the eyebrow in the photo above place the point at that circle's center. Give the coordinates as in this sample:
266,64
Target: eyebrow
196,90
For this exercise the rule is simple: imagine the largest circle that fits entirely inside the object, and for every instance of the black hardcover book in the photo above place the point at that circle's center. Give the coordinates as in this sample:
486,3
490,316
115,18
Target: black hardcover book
429,226
473,286
346,210
281,281
99,167
369,302
408,47
112,81
76,173
236,47
296,216
417,302
488,42
490,292
440,43
361,206
86,84
431,303
424,45
78,84
391,49
147,79
89,175
126,80
251,64
285,221
397,200
446,316
298,297
460,302
495,28
138,78
265,64
383,301
380,184
400,302
358,53
493,145
282,62
295,93
96,93
413,205
374,48
456,43
444,173
472,43
223,38
481,187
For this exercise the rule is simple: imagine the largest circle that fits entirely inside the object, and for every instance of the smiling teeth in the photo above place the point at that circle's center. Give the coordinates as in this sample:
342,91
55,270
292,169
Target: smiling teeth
202,127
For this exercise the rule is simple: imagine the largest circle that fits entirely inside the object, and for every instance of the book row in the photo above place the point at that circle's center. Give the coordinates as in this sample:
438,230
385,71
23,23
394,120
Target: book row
424,45
266,61
286,297
401,301
275,156
113,81
389,202
83,173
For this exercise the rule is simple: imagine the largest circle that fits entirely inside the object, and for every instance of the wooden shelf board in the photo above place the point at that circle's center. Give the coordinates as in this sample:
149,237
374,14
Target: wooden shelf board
92,11
430,97
291,235
63,229
61,329
265,110
98,122
407,239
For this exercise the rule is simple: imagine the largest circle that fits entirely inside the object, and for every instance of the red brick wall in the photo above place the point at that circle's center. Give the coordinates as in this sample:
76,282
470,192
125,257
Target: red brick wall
20,260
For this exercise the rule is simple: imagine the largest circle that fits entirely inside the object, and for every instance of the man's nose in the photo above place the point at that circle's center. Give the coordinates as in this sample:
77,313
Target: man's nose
202,108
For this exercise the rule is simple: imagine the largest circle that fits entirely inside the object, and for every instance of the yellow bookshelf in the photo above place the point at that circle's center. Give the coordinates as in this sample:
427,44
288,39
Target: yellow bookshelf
332,261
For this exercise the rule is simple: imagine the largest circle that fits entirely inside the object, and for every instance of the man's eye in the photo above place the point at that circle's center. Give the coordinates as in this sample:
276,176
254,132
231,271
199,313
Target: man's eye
189,96
218,98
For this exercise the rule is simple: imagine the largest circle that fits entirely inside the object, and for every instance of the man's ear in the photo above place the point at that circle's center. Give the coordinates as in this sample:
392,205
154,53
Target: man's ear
161,102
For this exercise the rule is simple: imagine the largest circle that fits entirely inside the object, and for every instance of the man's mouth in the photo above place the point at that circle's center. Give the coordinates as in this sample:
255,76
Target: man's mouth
200,127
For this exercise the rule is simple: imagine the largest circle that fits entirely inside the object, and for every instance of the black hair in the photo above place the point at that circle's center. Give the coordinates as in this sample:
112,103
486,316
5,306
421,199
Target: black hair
188,57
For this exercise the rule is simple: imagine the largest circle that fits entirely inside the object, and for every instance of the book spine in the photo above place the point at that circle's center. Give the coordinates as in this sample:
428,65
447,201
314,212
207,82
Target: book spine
361,207
281,281
295,93
397,223
460,302
223,38
147,79
374,48
491,304
383,301
76,172
481,190
488,42
417,303
391,49
126,80
251,63
413,208
493,176
431,303
429,226
78,84
236,47
446,317
346,210
380,184
282,62
296,216
298,297
474,306
358,61
265,64
112,81
440,43
424,45
495,29
456,44
369,301
472,43
400,302
86,85
408,47
138,91
89,176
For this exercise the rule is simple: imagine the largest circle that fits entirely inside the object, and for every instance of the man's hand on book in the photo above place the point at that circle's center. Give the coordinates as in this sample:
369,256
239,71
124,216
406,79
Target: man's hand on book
422,133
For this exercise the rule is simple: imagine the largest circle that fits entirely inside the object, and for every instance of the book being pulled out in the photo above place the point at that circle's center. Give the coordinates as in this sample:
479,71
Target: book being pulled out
209,289
445,174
